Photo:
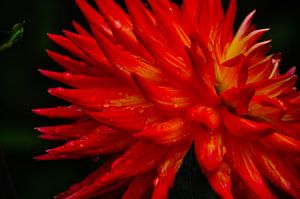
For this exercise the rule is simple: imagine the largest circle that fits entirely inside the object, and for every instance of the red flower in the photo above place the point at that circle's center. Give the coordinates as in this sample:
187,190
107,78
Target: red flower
148,84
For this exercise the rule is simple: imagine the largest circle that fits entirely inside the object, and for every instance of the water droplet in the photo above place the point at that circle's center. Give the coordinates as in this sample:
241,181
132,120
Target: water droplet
106,105
156,181
118,24
67,75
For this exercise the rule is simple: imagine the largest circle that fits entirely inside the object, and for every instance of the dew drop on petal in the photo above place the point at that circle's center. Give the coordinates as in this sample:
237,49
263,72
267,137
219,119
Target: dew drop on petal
156,181
67,75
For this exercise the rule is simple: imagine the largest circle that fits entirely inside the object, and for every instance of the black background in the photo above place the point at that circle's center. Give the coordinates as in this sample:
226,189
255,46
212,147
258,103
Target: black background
22,88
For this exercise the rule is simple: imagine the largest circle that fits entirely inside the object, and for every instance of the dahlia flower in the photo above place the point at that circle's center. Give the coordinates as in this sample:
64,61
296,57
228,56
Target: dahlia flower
149,82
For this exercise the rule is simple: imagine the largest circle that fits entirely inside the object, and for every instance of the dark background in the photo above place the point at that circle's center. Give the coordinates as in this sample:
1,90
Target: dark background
22,88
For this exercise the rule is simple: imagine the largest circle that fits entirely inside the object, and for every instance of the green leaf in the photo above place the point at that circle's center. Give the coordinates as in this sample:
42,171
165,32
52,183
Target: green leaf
13,36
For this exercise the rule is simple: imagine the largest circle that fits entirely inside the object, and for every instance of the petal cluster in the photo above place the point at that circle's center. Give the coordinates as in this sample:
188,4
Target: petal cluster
146,83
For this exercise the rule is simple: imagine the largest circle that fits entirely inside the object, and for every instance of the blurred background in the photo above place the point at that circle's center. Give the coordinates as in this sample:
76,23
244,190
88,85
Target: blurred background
22,88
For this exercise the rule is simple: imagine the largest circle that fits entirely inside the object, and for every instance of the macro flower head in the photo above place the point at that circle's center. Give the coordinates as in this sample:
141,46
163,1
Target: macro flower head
149,82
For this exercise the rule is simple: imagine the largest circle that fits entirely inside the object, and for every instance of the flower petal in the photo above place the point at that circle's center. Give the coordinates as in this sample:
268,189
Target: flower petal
239,98
243,127
266,108
89,46
242,161
221,181
98,99
139,186
66,112
94,18
128,63
208,117
130,118
82,81
166,97
167,170
282,143
122,27
103,140
74,66
172,131
209,150
81,30
74,130
274,169
280,85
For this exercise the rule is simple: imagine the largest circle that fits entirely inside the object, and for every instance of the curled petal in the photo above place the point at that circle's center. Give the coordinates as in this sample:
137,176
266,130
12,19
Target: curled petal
243,127
221,181
269,109
206,116
239,98
282,143
209,150
233,73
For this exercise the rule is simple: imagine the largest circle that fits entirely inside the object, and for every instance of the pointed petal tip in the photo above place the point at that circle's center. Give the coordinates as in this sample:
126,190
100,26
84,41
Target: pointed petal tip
55,91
